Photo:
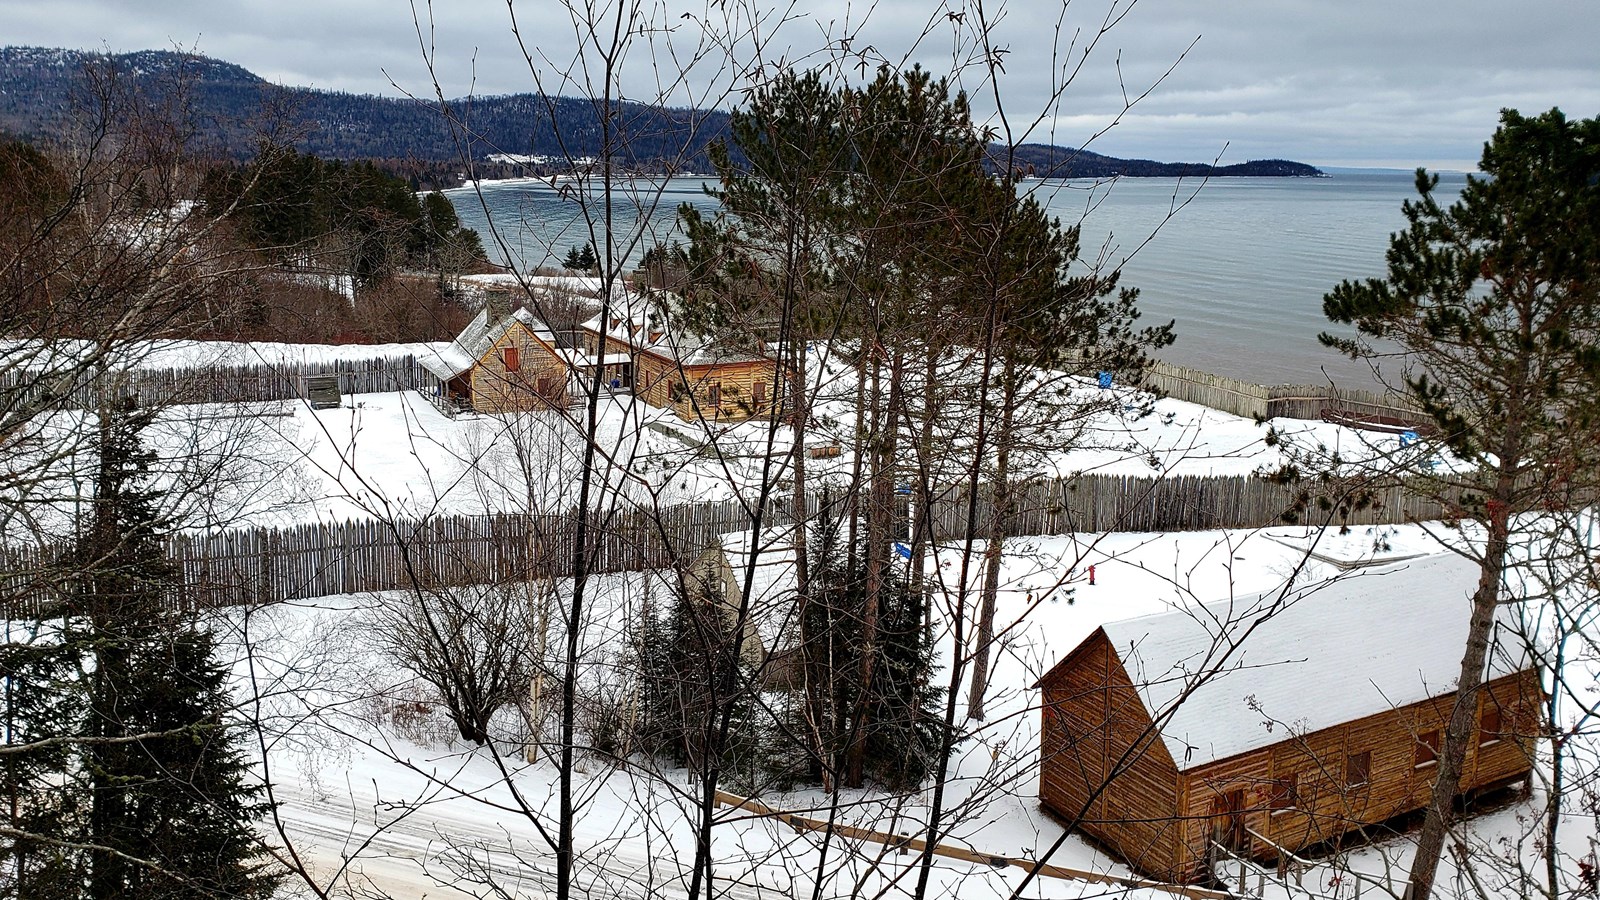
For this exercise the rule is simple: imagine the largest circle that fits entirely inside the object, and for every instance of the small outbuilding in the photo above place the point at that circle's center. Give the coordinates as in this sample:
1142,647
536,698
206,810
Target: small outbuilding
767,565
1263,725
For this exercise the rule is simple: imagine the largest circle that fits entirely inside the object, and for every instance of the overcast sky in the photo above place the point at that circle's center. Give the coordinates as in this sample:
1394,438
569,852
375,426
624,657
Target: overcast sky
1330,82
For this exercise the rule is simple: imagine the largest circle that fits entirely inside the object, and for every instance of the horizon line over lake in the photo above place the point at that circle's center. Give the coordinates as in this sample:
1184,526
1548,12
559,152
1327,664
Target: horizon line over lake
1240,264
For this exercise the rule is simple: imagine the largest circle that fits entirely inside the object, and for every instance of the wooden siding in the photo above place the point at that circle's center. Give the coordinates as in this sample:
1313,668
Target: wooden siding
1096,733
686,389
1325,806
1098,738
495,389
735,383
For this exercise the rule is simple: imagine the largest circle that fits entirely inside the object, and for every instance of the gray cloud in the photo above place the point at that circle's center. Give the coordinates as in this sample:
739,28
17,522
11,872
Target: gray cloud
1374,82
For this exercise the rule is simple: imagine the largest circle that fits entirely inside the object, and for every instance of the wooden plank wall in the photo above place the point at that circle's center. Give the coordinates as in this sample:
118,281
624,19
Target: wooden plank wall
737,387
496,389
654,377
1326,806
1101,757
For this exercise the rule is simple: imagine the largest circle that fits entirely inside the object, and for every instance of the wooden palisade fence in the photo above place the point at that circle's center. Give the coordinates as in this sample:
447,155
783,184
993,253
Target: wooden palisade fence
1092,503
1287,401
263,382
264,565
236,384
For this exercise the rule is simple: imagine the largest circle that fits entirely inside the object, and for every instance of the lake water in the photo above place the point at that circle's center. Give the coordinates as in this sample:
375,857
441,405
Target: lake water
1241,264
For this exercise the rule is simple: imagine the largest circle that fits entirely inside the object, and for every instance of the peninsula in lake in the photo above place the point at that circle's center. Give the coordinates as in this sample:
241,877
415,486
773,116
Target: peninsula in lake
230,105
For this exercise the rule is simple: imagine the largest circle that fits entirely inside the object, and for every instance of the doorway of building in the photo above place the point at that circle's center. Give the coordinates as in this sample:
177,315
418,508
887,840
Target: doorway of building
1227,821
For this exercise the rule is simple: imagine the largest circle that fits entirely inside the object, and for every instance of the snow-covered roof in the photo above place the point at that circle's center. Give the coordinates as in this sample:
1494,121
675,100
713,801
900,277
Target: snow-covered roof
578,359
773,583
642,319
1308,659
476,339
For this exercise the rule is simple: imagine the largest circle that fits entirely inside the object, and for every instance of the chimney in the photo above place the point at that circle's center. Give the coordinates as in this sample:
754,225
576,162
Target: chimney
498,301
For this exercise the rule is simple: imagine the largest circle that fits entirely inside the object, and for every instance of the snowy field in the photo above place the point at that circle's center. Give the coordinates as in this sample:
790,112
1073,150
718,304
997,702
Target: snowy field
378,793
394,455
348,768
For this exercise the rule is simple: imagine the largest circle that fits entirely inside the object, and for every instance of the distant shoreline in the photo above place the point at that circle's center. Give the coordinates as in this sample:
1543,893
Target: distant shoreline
554,181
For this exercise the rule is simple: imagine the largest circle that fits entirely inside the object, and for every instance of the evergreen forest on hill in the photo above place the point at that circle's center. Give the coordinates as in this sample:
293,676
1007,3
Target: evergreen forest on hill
235,107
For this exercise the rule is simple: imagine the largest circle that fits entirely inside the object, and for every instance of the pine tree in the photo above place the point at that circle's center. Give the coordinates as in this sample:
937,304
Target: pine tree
1494,302
177,799
684,660
581,258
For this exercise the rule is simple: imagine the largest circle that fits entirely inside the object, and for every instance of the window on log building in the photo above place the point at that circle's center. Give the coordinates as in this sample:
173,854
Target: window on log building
1490,726
1358,768
1426,751
1286,793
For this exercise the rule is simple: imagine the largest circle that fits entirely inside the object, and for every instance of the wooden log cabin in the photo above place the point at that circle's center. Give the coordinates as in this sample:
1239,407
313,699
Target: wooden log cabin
503,361
1324,719
699,377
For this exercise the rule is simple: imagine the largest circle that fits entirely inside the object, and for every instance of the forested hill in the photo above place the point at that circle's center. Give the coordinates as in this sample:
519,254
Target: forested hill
233,106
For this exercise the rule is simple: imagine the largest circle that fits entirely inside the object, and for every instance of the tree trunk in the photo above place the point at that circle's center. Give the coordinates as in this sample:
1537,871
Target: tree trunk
1552,810
1463,718
858,447
922,525
800,400
880,518
993,552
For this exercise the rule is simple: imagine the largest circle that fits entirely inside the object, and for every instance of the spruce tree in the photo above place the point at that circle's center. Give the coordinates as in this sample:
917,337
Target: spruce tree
42,804
581,258
892,720
166,782
686,658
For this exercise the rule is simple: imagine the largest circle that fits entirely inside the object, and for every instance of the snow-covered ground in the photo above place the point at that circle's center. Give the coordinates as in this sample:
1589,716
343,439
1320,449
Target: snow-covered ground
395,455
347,768
586,285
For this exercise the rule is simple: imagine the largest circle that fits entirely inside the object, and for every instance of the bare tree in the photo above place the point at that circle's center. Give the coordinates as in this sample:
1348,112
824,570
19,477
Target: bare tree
105,252
471,644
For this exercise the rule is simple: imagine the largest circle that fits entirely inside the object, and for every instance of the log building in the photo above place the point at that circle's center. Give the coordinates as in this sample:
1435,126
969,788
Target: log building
503,361
699,377
1263,725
